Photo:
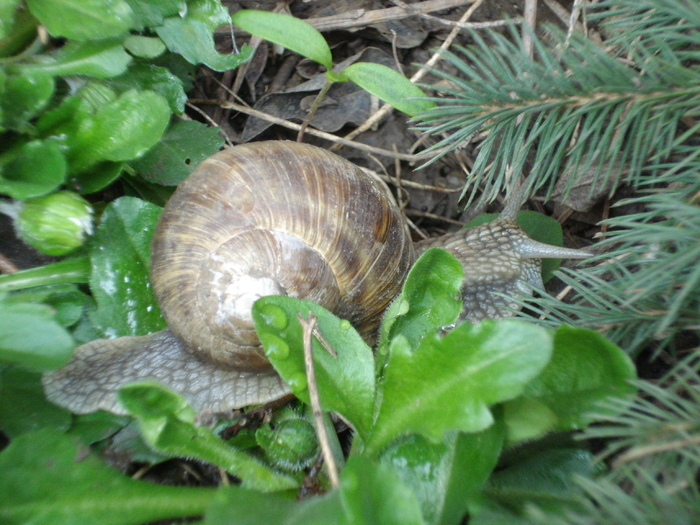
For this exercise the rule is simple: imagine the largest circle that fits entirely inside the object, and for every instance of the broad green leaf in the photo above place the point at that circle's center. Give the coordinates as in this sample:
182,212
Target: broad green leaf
75,270
585,370
99,59
64,120
183,146
154,78
144,46
210,12
97,94
48,477
122,130
527,419
428,301
446,477
7,16
540,228
38,168
448,383
96,177
120,255
31,337
286,31
389,86
345,383
24,96
369,493
372,493
194,41
24,407
238,506
167,423
151,13
20,30
83,19
66,301
97,426
545,479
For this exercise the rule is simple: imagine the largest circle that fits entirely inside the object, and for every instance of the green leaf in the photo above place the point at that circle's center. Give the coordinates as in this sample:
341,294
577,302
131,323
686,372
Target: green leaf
31,337
448,383
151,13
24,96
389,86
24,407
372,493
585,370
155,78
101,59
50,478
193,40
545,479
38,168
96,177
83,19
345,383
445,477
75,270
120,255
428,301
238,506
540,228
369,493
210,12
144,46
167,424
527,419
7,16
286,31
97,426
183,146
122,130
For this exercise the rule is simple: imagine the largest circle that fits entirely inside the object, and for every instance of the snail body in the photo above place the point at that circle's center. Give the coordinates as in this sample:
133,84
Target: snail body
272,218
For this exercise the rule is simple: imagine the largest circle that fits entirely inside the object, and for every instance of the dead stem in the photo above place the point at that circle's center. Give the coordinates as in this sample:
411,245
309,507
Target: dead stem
309,327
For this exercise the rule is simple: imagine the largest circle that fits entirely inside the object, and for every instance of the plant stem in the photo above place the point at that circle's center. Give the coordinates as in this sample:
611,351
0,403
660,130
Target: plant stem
317,102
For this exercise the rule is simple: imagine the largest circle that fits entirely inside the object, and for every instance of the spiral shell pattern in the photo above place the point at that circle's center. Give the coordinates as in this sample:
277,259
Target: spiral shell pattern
272,218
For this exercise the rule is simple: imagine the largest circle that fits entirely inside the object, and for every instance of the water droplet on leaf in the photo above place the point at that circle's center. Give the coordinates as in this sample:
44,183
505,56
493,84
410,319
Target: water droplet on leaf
275,316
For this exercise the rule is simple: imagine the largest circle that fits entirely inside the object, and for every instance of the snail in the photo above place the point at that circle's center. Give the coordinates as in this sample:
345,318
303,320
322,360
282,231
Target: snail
272,218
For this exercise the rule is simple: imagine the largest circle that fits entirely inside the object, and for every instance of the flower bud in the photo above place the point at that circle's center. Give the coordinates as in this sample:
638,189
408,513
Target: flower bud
55,224
291,444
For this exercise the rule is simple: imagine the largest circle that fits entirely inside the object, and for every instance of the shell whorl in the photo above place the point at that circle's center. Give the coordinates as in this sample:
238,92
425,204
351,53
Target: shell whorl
274,218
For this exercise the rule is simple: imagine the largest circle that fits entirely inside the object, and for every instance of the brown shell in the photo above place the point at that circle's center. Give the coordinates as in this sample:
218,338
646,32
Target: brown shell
274,218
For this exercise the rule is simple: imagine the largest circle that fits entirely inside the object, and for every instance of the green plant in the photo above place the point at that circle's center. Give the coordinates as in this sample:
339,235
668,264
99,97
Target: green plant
300,37
492,386
579,108
477,421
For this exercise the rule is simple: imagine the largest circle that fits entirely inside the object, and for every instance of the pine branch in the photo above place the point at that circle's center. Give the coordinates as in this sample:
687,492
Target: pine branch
655,443
646,288
573,108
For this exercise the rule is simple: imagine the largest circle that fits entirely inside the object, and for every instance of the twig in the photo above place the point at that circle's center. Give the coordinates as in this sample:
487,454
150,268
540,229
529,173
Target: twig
386,108
648,450
452,23
530,15
428,215
359,18
211,121
309,326
321,134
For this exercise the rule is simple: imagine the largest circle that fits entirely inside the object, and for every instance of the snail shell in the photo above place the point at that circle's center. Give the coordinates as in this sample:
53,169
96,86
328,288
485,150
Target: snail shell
273,218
